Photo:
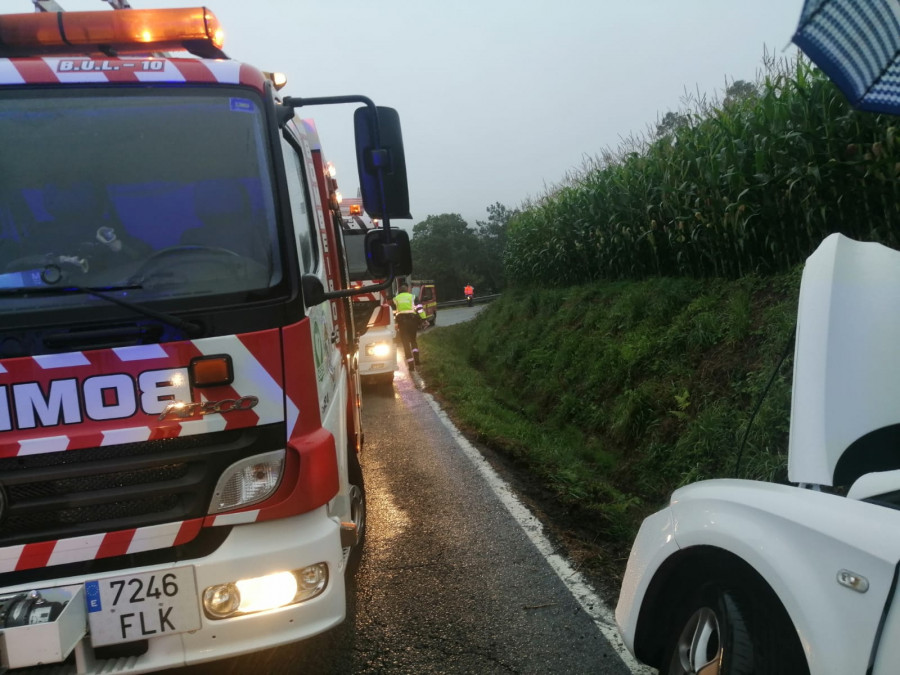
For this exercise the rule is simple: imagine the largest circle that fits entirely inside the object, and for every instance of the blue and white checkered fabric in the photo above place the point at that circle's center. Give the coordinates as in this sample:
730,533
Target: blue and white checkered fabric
857,43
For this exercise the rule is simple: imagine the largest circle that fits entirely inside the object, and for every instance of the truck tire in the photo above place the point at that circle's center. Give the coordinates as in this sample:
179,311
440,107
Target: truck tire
357,509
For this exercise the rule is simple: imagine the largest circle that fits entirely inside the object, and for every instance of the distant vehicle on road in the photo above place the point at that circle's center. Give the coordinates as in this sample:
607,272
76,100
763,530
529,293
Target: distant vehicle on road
372,312
739,576
377,332
426,294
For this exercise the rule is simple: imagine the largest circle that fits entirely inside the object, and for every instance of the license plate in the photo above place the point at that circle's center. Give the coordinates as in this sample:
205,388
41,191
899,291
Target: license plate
141,606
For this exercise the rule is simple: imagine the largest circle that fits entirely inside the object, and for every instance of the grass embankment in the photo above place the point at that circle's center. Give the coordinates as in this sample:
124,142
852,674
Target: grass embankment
613,394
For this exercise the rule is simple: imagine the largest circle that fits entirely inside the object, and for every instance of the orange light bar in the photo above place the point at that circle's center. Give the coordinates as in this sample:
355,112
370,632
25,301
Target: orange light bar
125,31
355,210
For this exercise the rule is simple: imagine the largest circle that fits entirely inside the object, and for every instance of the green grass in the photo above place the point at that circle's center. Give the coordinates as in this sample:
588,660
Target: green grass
612,394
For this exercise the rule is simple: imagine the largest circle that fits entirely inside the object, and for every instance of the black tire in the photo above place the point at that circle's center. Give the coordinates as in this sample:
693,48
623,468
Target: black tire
712,635
725,629
357,509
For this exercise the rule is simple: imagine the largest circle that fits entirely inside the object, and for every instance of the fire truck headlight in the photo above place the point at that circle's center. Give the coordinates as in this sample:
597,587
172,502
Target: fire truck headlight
264,593
221,601
248,481
378,349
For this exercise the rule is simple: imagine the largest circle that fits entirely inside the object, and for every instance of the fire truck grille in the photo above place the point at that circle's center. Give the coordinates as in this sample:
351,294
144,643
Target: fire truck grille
66,486
79,492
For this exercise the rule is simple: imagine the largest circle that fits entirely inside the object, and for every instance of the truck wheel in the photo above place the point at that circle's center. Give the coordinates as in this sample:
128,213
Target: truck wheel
712,636
357,508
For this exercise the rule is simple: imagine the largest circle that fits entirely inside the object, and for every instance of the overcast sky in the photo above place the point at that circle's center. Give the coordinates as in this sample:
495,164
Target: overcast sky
498,99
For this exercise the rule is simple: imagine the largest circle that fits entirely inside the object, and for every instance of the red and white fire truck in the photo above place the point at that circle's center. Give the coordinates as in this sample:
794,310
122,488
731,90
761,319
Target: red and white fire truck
179,402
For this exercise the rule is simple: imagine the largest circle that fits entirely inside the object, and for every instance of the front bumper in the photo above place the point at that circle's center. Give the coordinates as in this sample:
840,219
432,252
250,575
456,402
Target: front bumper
378,365
249,551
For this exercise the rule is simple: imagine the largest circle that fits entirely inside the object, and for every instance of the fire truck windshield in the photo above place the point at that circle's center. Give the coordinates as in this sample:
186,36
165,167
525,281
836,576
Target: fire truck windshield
167,191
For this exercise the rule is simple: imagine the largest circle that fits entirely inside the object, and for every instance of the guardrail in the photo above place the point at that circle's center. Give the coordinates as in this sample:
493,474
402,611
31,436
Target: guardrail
477,300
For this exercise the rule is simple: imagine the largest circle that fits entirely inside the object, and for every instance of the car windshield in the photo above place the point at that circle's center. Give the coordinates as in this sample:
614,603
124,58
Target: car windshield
165,192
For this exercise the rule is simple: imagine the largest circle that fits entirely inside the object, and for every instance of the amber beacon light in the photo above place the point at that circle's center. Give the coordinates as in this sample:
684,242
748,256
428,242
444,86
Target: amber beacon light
131,31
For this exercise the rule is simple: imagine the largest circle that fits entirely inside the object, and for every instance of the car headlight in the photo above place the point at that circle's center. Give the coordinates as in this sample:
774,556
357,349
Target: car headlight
248,481
378,349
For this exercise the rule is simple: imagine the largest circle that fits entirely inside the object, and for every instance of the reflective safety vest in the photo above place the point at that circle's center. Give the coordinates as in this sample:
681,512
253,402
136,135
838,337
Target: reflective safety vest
405,303
469,290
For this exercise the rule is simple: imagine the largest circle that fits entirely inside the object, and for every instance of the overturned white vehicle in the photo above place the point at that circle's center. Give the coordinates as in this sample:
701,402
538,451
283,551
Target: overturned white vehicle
740,577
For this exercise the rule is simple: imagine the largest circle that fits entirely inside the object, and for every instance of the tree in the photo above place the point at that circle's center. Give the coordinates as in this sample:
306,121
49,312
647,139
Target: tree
453,254
446,249
492,235
739,91
670,123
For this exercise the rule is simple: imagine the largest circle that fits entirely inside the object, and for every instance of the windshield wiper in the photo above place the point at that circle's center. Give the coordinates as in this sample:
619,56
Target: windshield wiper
192,330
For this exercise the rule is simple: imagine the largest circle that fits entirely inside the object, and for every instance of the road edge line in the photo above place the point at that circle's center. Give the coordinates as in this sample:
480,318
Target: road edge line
580,589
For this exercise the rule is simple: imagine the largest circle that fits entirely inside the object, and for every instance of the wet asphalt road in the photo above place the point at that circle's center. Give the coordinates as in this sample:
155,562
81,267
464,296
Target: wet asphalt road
451,315
448,582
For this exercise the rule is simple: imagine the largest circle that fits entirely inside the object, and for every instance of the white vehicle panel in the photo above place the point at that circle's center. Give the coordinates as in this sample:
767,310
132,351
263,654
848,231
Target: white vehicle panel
846,374
798,540
888,655
654,544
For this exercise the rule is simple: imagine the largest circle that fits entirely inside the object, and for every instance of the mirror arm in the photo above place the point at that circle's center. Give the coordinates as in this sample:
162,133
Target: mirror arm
314,294
379,154
333,295
297,102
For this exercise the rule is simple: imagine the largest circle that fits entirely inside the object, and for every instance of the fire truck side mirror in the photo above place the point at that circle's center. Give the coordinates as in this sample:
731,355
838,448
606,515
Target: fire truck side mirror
355,247
382,251
384,157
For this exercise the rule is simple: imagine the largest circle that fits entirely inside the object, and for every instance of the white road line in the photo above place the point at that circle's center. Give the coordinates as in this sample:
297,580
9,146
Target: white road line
590,602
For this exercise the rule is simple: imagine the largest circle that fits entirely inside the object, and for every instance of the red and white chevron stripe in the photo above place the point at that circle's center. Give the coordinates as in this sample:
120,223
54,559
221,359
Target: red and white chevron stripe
258,372
95,546
84,70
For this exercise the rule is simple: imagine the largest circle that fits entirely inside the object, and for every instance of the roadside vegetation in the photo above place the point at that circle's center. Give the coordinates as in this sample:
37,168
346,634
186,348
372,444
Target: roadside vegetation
750,186
613,394
651,298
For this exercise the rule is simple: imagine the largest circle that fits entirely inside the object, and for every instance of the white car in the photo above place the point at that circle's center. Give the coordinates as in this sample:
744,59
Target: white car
377,345
738,576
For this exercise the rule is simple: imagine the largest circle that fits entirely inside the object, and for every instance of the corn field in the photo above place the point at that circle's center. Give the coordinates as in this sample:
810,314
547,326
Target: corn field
748,187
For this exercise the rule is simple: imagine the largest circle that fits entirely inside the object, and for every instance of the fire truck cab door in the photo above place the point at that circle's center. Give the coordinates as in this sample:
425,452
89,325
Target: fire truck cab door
312,242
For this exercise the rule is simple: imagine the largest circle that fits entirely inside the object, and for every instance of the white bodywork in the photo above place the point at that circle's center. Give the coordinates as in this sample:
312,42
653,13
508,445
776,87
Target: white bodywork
249,551
802,542
846,370
378,346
